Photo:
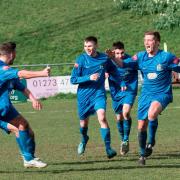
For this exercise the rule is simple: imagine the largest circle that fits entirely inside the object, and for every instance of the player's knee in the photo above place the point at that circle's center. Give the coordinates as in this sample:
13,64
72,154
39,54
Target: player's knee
23,125
103,123
152,114
84,123
142,125
126,115
103,120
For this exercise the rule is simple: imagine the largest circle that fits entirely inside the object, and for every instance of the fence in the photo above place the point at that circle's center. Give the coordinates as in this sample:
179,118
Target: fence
58,83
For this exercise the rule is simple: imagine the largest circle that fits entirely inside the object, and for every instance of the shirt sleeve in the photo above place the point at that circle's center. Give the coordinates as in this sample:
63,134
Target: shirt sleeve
76,75
174,63
123,84
18,85
9,73
131,62
110,66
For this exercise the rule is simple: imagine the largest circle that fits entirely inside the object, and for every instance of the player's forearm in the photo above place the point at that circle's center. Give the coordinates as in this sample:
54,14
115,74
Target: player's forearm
176,69
30,74
79,80
28,94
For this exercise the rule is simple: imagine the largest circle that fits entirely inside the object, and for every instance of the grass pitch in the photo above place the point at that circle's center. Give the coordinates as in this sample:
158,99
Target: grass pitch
57,135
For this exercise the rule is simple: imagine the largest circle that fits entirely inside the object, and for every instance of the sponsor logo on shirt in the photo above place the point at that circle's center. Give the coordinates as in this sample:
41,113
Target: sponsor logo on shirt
152,75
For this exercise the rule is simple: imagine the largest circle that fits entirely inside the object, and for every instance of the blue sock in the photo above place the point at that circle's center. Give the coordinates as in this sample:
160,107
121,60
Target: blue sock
127,127
105,134
25,144
84,136
142,136
20,145
31,145
153,125
120,129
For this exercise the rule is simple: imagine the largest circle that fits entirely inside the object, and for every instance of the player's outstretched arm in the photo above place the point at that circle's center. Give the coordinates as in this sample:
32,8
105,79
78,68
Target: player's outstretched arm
32,74
175,65
35,103
111,55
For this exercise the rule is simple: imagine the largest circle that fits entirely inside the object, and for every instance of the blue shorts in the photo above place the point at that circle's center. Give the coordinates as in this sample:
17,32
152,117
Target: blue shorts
126,99
4,120
91,106
145,101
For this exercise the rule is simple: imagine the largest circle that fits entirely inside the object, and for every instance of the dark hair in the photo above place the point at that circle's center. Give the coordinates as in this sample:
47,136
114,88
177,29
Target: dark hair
91,38
118,45
7,48
155,33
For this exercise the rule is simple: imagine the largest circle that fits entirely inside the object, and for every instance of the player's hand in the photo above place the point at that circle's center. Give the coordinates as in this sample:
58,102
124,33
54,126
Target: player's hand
123,88
47,71
36,105
94,77
110,53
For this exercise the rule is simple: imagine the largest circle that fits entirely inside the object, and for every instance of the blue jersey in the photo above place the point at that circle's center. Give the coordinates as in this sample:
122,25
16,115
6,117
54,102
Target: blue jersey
88,90
84,67
119,77
156,71
8,80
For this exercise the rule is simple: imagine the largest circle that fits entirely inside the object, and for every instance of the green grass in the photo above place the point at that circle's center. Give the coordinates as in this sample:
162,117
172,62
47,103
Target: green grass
52,31
57,135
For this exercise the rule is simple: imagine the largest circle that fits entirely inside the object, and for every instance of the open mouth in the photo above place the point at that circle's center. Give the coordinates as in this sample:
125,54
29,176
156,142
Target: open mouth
148,48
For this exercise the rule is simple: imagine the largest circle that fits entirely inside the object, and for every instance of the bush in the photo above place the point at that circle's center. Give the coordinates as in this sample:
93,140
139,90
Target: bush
167,11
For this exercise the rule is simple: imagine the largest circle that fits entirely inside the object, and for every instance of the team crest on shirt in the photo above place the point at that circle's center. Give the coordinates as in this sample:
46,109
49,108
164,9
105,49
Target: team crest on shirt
159,67
101,67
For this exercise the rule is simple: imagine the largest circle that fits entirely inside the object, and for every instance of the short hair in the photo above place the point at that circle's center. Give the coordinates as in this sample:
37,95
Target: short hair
7,48
118,45
91,38
156,34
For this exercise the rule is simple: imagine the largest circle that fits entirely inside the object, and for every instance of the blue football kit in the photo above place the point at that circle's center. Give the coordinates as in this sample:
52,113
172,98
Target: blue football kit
119,77
157,77
156,72
122,77
91,95
8,80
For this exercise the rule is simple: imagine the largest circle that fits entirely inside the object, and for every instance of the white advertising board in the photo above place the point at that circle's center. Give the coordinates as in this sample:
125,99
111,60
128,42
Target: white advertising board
50,86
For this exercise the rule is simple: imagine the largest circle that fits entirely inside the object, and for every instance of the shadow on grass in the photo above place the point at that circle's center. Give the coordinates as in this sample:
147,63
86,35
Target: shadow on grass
70,170
76,168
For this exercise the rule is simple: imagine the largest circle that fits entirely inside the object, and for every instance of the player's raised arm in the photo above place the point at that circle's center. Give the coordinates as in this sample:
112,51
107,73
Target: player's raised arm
111,55
175,65
77,77
32,74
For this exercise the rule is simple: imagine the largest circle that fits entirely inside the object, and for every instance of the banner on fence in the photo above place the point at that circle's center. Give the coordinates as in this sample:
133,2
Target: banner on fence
17,96
50,86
